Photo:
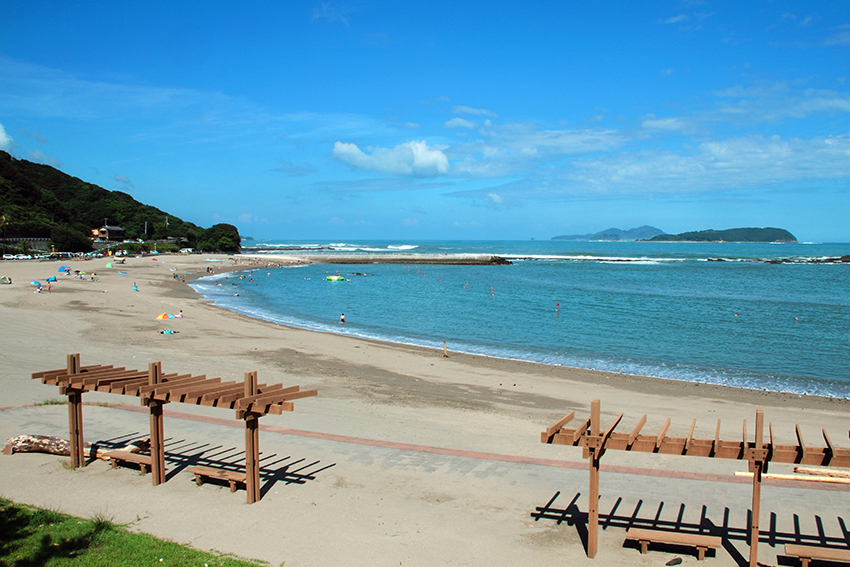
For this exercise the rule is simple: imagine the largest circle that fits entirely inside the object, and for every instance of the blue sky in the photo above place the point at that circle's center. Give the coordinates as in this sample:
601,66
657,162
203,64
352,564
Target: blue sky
442,120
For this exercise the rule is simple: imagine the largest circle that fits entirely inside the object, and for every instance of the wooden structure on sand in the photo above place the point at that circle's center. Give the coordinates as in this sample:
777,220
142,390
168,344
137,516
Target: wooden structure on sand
594,441
155,389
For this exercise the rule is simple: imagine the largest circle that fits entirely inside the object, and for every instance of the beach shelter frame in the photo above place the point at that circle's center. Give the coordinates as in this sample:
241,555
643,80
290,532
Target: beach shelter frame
250,399
594,442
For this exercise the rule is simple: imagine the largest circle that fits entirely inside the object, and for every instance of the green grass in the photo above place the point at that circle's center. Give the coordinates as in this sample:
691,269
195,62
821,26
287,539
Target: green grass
31,537
52,402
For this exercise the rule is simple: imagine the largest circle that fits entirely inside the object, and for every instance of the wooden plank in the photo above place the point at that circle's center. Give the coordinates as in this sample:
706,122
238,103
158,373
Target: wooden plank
580,431
660,438
246,400
701,542
633,435
552,429
829,444
171,381
802,446
270,408
609,431
178,390
716,445
817,552
200,390
276,398
690,435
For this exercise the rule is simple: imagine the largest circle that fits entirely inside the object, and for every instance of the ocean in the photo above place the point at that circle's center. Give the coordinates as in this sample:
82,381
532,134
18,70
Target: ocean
759,316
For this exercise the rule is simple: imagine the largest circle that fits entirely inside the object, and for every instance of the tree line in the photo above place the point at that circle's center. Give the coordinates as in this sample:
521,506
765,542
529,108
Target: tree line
39,201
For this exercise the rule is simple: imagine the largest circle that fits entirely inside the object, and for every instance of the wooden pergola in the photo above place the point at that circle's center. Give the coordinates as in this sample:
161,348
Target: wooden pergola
594,441
155,389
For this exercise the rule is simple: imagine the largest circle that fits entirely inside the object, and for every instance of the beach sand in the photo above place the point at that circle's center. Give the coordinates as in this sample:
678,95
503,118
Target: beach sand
416,458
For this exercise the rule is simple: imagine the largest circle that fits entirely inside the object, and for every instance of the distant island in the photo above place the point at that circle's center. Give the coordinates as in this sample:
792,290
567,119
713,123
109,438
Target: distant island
615,234
729,235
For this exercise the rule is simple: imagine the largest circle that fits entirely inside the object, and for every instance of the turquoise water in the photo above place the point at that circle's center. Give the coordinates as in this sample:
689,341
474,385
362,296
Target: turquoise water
668,310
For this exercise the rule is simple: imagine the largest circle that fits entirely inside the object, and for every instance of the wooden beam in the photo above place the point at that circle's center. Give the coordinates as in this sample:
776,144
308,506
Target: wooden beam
690,435
716,444
633,435
593,504
580,431
252,443
609,431
758,467
157,427
552,429
802,446
75,415
245,401
828,442
661,435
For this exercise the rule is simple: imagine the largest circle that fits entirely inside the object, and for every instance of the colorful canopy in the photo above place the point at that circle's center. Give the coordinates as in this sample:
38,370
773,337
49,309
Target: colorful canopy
165,316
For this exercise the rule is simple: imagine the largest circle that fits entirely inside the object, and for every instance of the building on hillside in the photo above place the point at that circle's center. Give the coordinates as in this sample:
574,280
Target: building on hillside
108,233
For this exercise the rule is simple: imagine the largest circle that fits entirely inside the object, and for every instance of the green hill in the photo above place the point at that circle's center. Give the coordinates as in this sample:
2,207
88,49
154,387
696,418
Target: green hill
730,235
39,201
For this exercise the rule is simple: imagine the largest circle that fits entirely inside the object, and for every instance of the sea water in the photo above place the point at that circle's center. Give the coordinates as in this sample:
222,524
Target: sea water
718,313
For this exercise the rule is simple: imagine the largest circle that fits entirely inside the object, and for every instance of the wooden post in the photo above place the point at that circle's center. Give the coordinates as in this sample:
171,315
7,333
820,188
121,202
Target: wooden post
75,415
157,427
252,443
593,506
757,466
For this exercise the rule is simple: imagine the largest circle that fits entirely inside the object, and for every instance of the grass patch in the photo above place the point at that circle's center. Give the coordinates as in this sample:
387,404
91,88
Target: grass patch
32,536
52,402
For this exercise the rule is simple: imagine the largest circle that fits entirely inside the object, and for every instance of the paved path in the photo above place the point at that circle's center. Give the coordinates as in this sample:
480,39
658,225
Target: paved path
337,499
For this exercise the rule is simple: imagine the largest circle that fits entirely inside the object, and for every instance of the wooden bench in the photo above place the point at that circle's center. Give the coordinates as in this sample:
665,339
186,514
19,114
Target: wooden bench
701,542
144,461
232,477
808,552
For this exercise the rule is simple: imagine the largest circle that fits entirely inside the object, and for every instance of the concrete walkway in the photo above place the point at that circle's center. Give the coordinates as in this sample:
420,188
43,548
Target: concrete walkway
332,499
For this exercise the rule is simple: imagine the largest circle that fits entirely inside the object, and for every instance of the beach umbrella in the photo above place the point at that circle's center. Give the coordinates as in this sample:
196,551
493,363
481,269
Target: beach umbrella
109,265
165,316
63,268
35,282
51,279
122,273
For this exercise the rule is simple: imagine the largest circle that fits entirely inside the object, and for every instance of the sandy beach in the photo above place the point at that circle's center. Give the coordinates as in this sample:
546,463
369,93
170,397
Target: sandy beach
406,445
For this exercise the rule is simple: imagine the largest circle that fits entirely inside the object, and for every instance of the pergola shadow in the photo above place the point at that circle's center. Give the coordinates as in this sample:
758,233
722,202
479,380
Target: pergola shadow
728,532
250,399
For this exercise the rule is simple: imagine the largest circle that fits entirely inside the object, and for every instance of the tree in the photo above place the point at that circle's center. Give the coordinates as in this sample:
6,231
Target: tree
69,240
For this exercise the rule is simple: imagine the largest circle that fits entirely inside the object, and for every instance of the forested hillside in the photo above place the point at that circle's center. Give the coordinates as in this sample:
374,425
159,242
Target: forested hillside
40,201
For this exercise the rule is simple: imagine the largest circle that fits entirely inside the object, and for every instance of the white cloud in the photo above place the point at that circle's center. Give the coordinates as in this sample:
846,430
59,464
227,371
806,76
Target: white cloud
676,19
330,12
460,123
460,109
494,197
39,156
410,222
666,124
124,180
6,141
409,158
753,161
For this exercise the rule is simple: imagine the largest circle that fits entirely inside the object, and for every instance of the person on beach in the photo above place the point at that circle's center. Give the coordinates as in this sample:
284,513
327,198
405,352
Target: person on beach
342,319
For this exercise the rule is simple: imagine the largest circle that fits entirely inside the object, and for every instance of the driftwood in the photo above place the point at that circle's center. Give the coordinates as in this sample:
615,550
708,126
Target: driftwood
39,444
58,446
822,472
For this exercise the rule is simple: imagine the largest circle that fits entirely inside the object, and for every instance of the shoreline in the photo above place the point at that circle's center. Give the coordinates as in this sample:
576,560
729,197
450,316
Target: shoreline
181,290
387,461
633,382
